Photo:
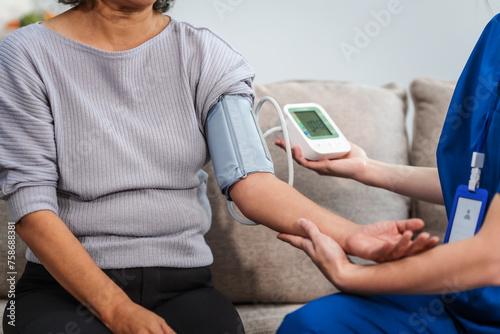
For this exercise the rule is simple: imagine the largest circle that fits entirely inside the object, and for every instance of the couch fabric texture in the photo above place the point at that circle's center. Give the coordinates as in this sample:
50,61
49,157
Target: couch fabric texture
266,278
430,97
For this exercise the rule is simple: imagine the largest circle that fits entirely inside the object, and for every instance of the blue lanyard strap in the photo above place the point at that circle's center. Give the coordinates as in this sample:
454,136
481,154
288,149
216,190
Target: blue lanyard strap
479,155
484,134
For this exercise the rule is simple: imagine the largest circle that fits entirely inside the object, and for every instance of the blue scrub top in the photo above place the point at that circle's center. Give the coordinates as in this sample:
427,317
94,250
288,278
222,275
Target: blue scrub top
476,93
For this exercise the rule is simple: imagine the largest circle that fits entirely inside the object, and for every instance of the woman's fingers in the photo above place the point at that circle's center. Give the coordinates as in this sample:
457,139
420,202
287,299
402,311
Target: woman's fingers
407,247
401,248
422,243
412,224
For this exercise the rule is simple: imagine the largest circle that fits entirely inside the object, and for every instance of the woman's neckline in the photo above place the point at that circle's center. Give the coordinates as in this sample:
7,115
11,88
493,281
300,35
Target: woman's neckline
106,52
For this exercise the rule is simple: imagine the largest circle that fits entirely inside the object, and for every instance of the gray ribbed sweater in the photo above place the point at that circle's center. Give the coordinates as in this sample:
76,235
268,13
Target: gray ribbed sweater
113,142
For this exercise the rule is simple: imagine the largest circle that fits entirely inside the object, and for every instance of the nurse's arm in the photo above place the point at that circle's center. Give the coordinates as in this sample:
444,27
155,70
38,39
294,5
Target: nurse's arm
457,266
416,182
420,183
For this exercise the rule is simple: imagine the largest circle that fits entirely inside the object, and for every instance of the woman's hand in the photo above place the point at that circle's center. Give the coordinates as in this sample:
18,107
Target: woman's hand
325,252
352,165
131,318
389,240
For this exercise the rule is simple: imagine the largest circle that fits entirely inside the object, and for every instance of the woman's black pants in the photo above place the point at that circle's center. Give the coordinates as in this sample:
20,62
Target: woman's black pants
185,298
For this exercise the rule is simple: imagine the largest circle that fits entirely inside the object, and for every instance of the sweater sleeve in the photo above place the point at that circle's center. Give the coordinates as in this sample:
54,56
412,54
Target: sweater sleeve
28,171
223,71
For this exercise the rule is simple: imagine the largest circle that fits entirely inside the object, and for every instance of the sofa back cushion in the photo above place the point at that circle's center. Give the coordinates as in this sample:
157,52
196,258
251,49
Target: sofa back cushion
431,98
251,265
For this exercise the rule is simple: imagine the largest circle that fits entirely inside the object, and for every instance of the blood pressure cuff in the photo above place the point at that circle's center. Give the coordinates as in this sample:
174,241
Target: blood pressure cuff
235,141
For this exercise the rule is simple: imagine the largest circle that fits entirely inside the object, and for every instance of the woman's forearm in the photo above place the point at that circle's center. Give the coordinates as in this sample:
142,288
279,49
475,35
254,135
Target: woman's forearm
69,263
265,199
416,182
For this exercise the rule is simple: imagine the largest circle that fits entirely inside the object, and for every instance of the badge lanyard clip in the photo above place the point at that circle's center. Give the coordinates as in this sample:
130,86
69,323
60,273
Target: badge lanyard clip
475,174
478,156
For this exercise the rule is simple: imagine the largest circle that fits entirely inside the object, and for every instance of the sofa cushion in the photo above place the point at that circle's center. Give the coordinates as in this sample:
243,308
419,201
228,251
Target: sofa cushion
263,319
431,98
251,265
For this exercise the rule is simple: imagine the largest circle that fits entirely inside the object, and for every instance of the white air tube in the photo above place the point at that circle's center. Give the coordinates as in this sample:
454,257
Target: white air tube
267,133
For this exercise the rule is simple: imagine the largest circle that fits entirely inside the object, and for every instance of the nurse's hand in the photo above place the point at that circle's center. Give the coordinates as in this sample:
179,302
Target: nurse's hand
352,165
325,252
389,240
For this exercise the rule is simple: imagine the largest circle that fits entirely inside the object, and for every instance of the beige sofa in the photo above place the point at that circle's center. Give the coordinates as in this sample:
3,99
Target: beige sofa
265,278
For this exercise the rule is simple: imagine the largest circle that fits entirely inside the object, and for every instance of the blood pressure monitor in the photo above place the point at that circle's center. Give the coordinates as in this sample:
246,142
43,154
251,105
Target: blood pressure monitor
312,129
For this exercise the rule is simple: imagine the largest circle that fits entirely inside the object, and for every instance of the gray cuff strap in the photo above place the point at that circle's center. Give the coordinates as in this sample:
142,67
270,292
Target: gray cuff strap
235,142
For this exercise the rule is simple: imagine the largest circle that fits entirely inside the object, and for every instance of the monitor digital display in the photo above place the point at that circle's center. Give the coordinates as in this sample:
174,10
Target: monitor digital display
313,123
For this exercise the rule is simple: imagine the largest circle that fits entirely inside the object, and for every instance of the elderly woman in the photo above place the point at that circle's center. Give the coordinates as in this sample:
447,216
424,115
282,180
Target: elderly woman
104,129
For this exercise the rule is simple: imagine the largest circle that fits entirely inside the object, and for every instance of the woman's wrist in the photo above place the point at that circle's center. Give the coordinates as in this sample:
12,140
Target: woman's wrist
111,303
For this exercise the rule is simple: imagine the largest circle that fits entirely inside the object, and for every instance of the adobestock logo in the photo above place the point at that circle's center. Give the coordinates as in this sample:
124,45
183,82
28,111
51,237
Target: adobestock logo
225,6
364,35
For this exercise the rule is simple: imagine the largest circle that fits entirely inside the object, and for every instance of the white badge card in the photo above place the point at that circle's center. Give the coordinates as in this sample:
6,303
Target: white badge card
467,213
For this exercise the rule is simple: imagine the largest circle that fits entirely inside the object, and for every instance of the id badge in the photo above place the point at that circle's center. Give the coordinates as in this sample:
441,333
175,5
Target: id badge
467,213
